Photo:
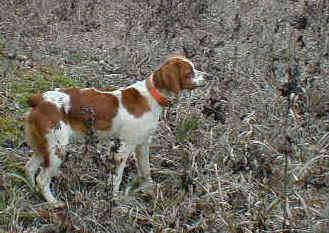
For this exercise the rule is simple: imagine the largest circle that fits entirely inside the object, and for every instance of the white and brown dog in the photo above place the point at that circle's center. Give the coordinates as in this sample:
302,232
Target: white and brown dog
130,114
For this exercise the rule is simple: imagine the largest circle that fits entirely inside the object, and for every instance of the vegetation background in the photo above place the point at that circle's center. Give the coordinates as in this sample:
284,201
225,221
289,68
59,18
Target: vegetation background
249,153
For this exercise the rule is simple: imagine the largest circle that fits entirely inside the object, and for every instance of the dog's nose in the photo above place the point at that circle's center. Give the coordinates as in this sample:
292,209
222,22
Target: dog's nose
207,76
200,73
204,75
199,78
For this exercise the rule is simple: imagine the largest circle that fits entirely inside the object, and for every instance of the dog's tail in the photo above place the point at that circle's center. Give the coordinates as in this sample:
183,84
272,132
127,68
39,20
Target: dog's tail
35,138
34,100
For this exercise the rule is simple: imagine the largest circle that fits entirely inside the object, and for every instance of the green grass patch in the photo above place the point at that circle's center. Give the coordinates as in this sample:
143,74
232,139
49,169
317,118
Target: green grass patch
186,127
26,83
37,81
8,129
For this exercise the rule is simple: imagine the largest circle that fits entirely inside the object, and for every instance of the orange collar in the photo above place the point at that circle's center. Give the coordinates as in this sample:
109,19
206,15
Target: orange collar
161,99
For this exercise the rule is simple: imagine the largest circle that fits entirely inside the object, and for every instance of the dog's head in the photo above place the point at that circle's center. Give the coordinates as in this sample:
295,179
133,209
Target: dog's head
176,74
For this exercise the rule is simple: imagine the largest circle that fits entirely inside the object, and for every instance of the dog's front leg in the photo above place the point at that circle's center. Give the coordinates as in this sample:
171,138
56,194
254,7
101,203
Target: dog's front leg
143,163
120,162
143,167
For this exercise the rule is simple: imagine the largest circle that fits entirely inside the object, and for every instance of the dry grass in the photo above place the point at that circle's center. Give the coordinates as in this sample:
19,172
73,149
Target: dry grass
259,165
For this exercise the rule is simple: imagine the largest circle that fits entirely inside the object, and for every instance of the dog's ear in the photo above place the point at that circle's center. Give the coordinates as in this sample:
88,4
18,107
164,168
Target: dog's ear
167,77
179,54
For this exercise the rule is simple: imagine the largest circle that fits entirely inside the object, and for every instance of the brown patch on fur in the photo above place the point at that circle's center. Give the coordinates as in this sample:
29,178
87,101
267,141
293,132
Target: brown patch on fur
45,116
85,103
34,100
134,102
105,89
38,122
174,75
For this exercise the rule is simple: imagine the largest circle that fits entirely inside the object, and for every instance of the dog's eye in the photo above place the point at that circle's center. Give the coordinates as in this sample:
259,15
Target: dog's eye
190,75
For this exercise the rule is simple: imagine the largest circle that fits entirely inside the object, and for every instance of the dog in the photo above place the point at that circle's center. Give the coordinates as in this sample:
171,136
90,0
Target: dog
130,114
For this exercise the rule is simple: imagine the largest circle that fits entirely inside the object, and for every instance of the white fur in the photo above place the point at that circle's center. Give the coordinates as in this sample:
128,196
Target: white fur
133,130
57,138
198,77
60,135
32,167
58,98
44,178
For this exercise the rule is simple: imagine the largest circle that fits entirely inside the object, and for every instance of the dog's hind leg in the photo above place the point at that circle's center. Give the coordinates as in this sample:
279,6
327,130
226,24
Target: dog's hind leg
56,139
47,134
32,136
45,176
32,167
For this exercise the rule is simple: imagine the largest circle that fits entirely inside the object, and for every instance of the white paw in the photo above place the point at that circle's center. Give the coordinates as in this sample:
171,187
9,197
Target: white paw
57,204
146,188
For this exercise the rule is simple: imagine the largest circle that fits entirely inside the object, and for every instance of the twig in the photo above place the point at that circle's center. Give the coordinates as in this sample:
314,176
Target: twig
91,142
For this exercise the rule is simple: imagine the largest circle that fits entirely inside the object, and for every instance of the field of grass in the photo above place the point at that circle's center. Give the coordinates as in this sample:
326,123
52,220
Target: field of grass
246,153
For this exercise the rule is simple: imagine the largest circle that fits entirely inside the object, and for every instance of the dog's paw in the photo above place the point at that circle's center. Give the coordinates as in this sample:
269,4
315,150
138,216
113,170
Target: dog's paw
31,183
30,180
146,189
57,204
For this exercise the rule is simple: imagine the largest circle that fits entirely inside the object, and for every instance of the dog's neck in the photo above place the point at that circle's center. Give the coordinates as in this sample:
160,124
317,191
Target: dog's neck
160,96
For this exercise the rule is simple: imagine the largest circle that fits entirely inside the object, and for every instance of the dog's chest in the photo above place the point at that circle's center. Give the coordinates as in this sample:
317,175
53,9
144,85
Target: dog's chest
134,130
